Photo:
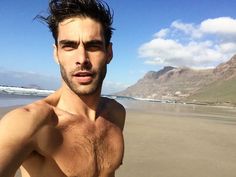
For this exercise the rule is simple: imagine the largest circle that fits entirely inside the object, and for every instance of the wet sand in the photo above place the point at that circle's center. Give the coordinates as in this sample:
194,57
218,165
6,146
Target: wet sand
172,141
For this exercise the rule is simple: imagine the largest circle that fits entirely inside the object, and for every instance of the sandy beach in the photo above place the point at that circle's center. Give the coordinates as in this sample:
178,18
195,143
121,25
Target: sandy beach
172,141
172,146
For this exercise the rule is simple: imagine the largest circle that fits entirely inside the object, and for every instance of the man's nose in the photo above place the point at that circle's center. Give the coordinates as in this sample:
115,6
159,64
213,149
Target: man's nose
82,57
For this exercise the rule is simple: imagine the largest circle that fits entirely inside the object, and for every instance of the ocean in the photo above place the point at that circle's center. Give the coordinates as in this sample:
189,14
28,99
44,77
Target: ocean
7,100
13,96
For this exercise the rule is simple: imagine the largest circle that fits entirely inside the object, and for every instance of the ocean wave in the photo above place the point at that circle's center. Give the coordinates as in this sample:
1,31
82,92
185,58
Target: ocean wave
24,91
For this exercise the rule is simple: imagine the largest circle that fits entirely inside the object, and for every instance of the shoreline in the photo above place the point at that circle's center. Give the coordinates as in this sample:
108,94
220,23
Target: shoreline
233,105
36,96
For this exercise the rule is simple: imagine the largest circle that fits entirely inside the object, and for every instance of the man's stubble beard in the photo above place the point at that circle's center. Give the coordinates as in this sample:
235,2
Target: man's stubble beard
87,89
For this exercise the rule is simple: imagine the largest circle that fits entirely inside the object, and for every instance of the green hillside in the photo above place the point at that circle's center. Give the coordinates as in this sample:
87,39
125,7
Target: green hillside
220,92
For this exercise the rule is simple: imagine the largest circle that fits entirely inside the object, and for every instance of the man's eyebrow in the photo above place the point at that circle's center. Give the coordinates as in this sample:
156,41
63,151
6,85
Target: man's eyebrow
86,43
94,42
71,42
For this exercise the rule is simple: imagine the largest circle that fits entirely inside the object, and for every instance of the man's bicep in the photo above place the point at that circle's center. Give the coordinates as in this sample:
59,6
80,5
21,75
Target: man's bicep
13,148
13,126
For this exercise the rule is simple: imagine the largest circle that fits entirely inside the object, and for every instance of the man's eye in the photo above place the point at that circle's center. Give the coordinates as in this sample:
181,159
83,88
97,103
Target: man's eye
68,47
94,48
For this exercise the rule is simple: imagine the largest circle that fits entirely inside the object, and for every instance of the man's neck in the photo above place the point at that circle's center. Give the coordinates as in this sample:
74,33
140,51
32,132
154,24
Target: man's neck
84,105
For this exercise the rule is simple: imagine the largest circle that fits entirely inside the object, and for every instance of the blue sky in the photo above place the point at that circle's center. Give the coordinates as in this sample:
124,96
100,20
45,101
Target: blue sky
149,35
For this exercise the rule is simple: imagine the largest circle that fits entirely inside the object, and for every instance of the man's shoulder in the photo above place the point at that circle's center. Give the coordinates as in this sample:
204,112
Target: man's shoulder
15,112
117,111
29,107
22,112
114,105
50,100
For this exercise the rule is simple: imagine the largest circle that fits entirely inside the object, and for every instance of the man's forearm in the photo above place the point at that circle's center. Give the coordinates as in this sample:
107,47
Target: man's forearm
11,157
14,148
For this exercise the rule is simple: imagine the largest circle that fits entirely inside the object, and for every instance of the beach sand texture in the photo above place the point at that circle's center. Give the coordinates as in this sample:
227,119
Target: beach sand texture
172,142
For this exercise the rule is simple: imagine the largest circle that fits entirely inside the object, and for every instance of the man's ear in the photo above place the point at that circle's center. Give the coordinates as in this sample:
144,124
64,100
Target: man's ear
109,53
55,54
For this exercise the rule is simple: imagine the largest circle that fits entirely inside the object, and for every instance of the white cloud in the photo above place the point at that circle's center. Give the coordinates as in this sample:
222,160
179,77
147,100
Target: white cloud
110,87
228,47
159,47
162,33
221,26
187,28
194,45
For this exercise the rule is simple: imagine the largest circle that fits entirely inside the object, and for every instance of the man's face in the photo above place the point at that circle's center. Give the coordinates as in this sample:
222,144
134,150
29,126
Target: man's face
82,54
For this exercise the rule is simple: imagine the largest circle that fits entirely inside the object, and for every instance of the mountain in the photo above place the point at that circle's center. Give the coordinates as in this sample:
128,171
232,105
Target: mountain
226,70
186,84
30,80
221,91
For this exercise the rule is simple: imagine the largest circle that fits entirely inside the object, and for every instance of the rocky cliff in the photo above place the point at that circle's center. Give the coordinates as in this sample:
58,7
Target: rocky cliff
180,83
226,70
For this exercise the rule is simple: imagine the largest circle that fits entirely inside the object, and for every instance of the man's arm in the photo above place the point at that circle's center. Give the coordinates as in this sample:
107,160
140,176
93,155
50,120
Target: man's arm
17,134
14,147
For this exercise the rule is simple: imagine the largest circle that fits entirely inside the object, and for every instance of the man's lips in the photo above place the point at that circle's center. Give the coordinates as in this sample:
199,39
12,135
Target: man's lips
83,77
83,74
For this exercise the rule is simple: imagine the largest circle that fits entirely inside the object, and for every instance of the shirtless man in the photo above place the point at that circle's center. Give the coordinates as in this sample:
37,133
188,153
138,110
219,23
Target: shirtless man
74,132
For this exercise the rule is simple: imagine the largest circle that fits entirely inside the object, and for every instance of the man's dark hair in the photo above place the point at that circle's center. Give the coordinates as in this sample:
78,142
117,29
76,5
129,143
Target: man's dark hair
98,10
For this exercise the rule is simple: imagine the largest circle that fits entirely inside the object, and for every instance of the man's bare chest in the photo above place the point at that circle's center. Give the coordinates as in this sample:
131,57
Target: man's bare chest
90,149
